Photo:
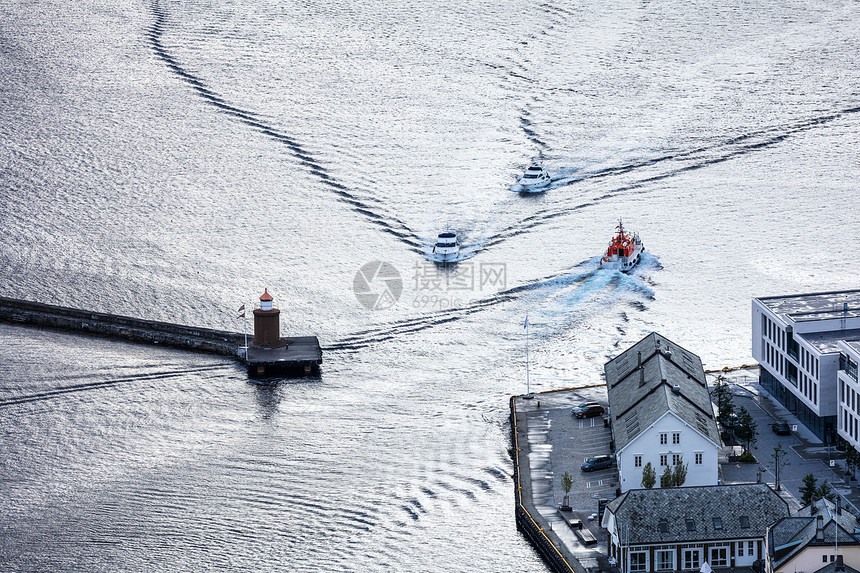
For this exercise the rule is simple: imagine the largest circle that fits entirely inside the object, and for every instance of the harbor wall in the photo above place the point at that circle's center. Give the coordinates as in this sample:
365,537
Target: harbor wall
529,521
16,311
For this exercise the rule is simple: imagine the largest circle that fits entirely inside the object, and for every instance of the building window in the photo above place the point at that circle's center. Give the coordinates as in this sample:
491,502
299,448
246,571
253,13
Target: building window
664,438
718,523
638,561
665,560
719,557
663,526
692,559
691,525
699,456
745,522
676,438
751,548
824,558
637,461
676,459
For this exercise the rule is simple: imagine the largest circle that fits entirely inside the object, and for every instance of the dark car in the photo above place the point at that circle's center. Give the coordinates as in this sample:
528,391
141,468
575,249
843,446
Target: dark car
588,411
781,428
731,422
597,463
583,407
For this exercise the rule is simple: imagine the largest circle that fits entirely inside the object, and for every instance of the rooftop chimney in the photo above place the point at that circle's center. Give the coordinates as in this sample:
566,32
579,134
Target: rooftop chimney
819,528
641,372
838,505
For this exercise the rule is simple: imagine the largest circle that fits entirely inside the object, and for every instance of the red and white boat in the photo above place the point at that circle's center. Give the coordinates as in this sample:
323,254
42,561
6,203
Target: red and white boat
624,251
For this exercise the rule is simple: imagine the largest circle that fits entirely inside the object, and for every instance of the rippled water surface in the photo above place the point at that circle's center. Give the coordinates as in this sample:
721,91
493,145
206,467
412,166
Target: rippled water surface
169,159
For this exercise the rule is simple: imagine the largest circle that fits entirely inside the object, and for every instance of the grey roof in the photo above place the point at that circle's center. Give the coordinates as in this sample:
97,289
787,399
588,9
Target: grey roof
815,306
854,345
643,510
634,406
827,342
790,536
831,568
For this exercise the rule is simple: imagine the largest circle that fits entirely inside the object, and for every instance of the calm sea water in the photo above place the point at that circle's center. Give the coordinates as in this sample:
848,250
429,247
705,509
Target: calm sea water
170,159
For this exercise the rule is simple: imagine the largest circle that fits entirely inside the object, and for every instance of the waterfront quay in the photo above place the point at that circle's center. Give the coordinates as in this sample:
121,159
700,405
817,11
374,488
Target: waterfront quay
549,441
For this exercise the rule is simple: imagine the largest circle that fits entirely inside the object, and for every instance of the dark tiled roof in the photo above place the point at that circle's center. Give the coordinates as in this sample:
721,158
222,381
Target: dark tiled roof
797,532
665,367
831,568
643,510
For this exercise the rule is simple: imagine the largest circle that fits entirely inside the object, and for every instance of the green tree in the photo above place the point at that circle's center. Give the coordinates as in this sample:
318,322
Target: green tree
808,489
722,397
746,430
679,473
666,478
852,460
824,490
779,460
649,476
566,484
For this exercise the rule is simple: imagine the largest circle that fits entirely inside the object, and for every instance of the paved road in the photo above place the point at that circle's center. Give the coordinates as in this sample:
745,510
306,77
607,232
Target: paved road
806,453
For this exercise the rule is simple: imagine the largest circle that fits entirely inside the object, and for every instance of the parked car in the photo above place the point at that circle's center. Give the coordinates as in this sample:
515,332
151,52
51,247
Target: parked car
781,428
731,422
589,411
597,463
583,407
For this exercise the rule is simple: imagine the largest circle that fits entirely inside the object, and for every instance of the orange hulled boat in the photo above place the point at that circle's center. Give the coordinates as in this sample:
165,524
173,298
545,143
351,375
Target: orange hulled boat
624,251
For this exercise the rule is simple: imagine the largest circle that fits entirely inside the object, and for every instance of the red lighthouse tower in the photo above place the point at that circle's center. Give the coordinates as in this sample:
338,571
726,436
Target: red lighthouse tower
267,327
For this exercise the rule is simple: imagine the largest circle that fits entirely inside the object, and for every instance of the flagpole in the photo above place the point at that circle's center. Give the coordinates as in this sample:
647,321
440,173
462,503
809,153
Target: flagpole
245,317
528,395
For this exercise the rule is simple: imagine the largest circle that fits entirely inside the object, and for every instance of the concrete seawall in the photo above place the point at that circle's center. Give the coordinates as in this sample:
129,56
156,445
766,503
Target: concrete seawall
535,528
40,315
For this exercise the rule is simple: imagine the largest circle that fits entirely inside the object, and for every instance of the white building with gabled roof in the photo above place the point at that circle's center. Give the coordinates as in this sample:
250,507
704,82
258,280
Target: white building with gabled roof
661,412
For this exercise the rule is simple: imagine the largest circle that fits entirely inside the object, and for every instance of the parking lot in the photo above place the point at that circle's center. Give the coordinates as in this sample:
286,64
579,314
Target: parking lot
559,443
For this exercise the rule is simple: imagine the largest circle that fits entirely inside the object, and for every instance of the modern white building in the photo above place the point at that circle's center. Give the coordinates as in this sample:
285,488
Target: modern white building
848,413
661,412
796,340
680,529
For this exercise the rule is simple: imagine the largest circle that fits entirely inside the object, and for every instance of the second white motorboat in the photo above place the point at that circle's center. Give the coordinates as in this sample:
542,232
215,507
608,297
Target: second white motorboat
534,180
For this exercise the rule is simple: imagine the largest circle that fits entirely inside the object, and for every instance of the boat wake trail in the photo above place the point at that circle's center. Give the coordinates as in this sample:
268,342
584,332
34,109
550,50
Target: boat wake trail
364,204
74,388
561,294
650,170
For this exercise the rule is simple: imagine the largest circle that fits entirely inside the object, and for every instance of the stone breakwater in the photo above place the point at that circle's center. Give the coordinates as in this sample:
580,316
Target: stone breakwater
15,311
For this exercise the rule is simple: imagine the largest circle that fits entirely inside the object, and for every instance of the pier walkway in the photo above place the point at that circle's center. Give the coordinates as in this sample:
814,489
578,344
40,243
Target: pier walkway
296,355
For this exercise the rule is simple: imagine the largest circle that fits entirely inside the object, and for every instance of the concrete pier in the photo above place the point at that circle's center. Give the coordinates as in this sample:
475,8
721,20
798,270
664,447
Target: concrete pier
295,356
41,315
547,442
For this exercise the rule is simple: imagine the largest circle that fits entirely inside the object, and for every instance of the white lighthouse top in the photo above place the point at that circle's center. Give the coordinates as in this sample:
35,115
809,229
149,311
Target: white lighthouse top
266,300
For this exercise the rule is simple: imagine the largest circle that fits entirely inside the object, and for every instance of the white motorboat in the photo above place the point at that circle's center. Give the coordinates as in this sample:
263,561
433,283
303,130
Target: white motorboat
534,180
447,248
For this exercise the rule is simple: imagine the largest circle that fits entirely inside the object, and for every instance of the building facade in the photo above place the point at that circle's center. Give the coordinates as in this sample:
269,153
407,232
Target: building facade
680,529
795,339
848,413
661,412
